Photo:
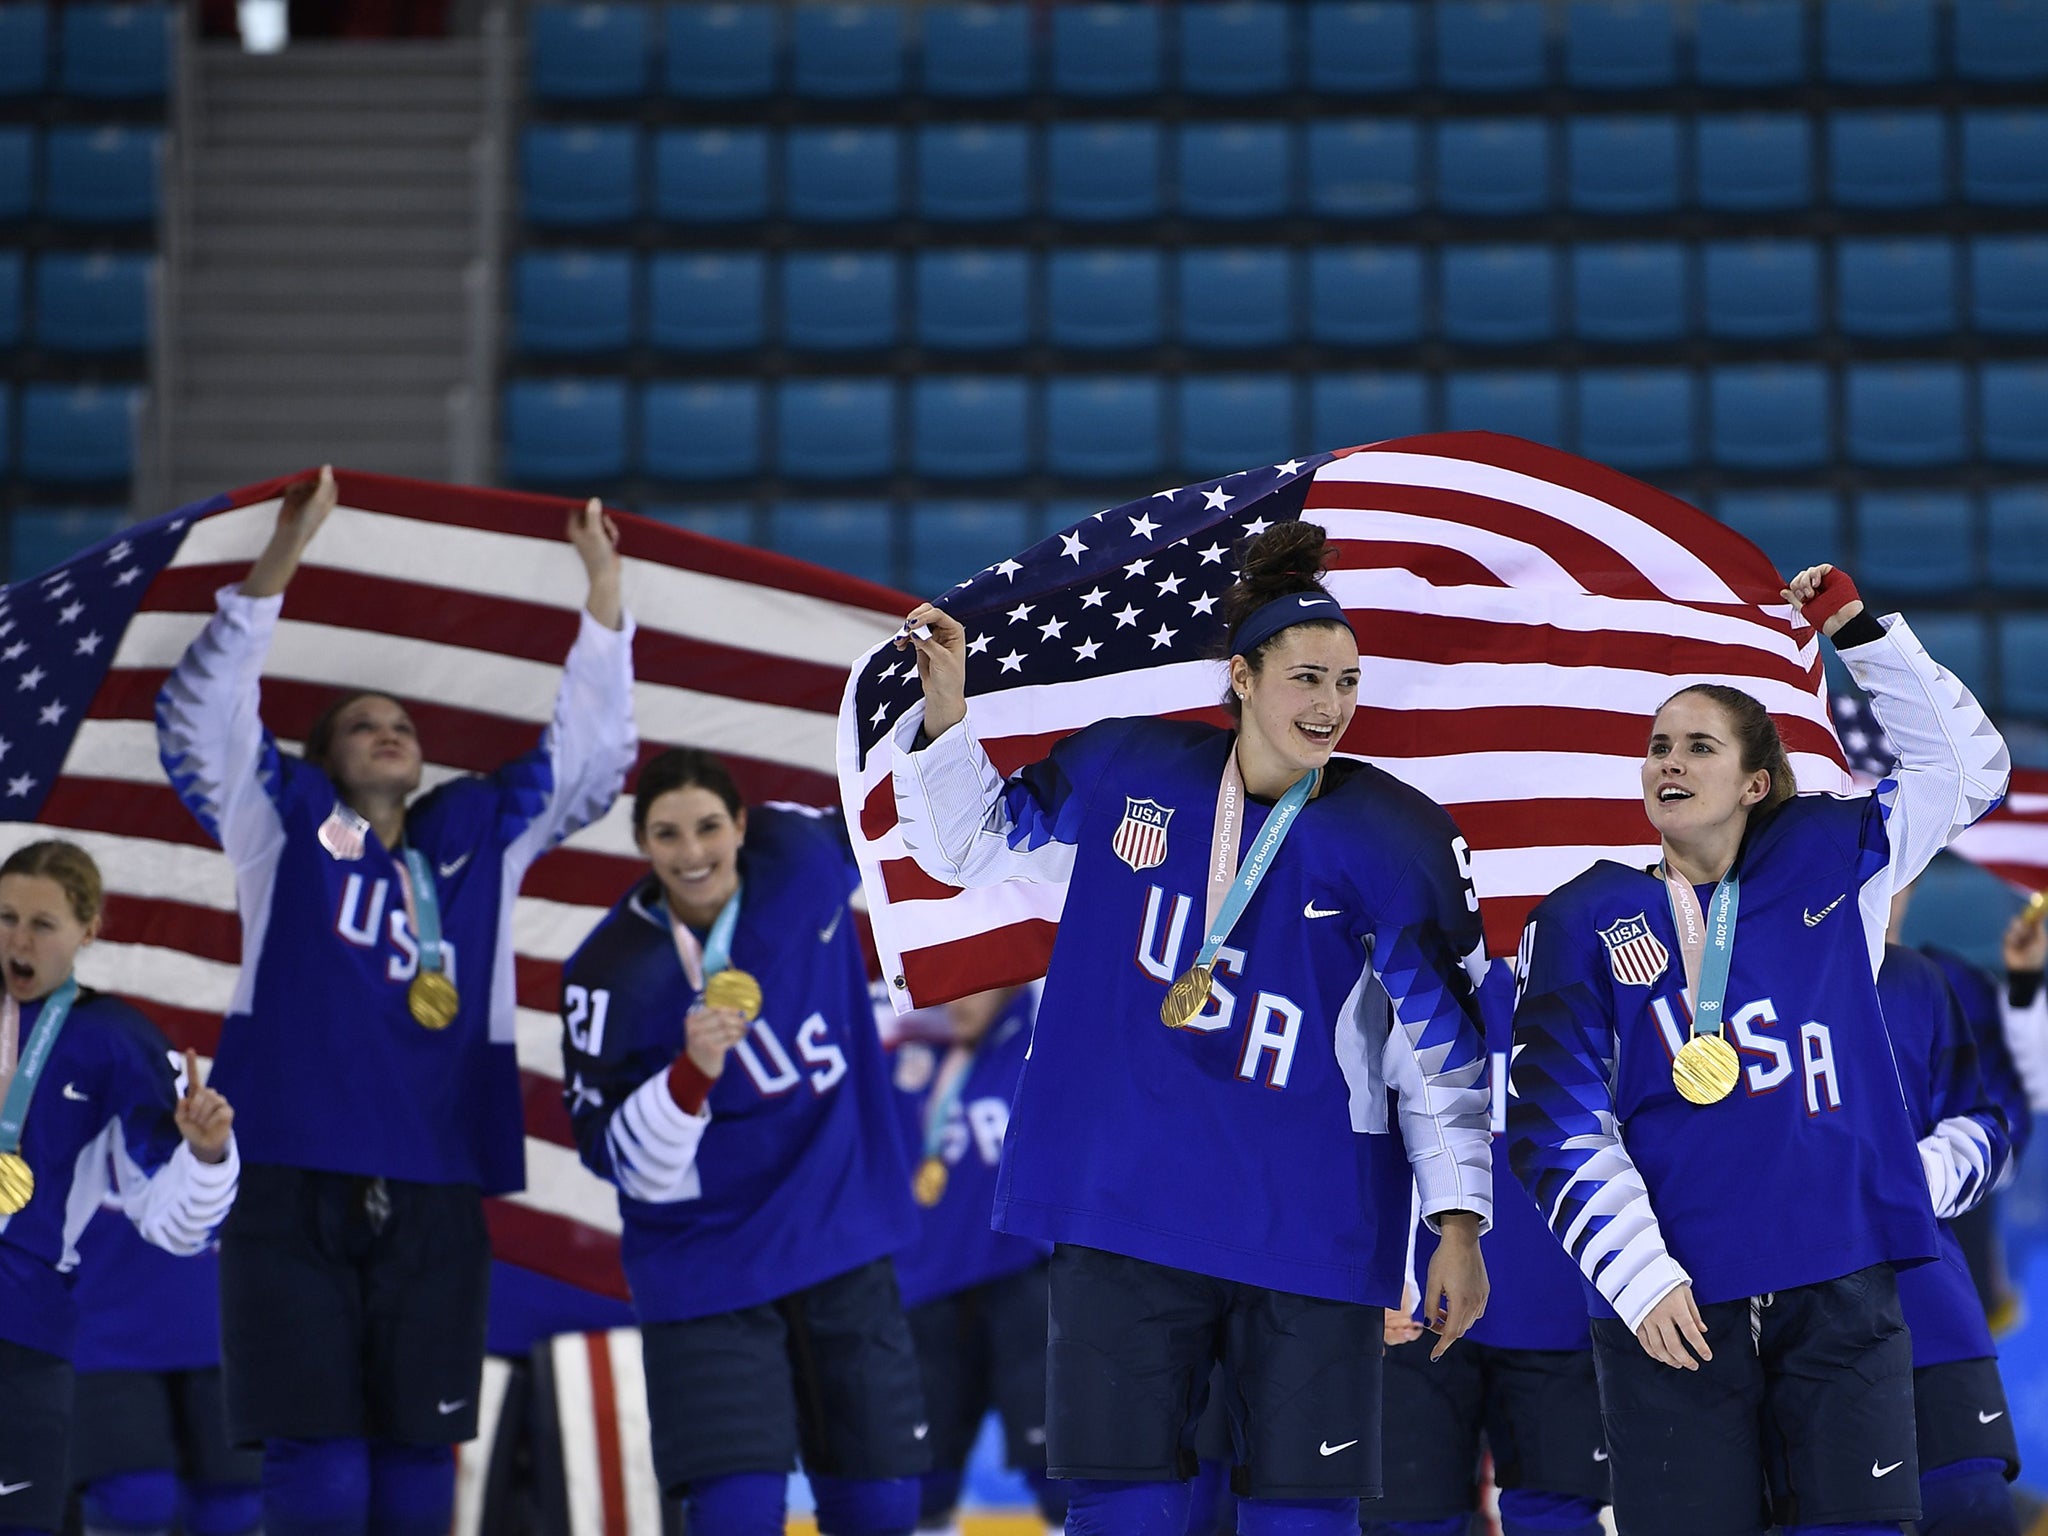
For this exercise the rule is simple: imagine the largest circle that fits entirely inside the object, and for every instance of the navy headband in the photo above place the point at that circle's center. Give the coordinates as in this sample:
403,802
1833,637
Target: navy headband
1283,613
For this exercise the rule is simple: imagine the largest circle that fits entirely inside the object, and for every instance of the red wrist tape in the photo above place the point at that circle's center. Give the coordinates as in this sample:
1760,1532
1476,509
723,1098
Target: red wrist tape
1836,592
687,1084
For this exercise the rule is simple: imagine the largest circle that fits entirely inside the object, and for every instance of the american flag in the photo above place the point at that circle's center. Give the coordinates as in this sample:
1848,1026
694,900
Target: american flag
1521,614
461,603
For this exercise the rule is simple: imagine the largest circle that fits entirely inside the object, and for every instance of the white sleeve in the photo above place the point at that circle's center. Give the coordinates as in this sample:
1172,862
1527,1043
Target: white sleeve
653,1142
1447,1127
590,742
1961,1166
2026,1037
178,1207
952,816
210,733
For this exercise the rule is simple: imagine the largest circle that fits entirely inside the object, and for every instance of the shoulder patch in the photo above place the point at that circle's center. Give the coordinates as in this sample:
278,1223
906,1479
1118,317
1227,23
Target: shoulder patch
1634,952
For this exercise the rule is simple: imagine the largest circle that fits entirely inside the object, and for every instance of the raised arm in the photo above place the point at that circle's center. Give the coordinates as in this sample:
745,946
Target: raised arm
175,1201
2023,1010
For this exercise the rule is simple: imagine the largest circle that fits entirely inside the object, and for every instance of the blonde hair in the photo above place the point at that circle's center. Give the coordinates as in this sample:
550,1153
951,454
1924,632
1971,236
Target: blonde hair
67,864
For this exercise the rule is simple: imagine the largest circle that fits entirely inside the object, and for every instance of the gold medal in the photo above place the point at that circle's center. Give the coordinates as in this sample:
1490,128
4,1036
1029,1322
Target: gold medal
734,989
2036,908
1187,997
17,1183
930,1184
433,999
1706,1069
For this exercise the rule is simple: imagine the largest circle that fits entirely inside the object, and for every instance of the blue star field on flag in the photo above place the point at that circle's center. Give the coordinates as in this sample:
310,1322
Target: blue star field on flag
1864,741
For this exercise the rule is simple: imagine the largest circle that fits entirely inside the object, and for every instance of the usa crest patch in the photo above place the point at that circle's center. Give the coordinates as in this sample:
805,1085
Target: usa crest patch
1635,953
1140,839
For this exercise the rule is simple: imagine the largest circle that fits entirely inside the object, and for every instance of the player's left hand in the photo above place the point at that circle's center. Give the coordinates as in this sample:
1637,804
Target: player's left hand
1455,1290
596,538
205,1119
1402,1327
2026,945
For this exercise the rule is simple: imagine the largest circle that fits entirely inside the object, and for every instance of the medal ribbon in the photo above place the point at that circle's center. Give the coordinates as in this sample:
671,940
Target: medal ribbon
422,906
702,961
34,1057
1707,944
953,1073
1231,888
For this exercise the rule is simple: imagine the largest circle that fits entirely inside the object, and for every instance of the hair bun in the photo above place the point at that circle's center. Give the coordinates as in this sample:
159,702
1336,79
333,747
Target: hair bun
1287,558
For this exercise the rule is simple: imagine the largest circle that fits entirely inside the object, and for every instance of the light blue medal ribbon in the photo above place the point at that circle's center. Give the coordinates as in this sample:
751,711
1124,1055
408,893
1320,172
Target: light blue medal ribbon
718,942
425,903
710,969
1706,1067
17,1181
928,1184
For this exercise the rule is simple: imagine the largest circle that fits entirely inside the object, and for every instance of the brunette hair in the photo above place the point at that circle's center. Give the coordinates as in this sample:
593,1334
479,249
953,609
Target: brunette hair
1286,560
320,740
682,768
67,864
1756,733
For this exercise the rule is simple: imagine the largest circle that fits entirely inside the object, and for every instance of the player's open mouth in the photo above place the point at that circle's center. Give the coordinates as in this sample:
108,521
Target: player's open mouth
1671,792
20,970
692,876
1321,735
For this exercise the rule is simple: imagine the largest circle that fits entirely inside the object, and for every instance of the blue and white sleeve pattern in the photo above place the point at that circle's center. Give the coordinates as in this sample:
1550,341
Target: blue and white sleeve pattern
1564,1142
175,1200
210,736
586,751
1969,1151
629,1129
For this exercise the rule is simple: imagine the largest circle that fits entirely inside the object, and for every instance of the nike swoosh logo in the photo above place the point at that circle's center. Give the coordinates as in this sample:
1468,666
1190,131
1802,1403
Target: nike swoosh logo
1877,1471
460,1402
71,1092
1989,1418
825,933
449,870
920,1431
1312,910
1331,1450
7,1488
1317,602
1815,919
1600,1455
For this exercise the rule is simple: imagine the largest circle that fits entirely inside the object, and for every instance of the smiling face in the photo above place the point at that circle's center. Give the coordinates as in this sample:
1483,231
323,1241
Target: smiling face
373,750
1299,703
40,935
1694,784
693,844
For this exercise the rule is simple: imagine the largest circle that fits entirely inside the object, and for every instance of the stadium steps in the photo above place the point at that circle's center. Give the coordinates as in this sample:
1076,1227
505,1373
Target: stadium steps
320,309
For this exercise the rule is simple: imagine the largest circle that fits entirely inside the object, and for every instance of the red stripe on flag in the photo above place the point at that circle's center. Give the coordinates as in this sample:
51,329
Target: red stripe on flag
556,1247
1008,956
604,1410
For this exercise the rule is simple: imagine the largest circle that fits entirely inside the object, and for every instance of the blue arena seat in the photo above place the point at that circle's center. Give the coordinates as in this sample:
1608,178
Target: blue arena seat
2001,40
733,521
1749,44
840,301
93,303
1623,164
719,52
857,537
966,427
1963,643
581,176
2016,531
1103,173
1105,427
1900,287
13,302
1491,45
78,434
572,301
711,175
1769,416
1236,297
1631,293
836,429
2009,284
1753,162
1364,47
1796,528
1106,49
951,541
42,538
976,51
2022,680
101,175
1520,402
1761,290
847,51
1915,541
1498,295
24,48
1235,47
707,301
2014,404
1345,409
1364,168
1230,422
565,432
115,52
17,173
973,301
1878,42
1907,415
704,429
1365,295
1102,300
1236,171
586,52
1493,166
843,175
1621,45
974,172
6,427
1639,419
1888,159
2005,157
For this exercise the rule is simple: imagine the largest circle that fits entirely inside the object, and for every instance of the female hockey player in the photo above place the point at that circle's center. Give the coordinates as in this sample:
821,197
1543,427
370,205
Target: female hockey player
91,1097
725,1073
370,1039
1707,1111
1202,1127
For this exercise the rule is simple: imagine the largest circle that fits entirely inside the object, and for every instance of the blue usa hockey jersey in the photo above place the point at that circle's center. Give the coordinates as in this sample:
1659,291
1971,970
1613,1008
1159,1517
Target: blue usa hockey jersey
956,1247
319,1053
1255,1144
1982,1001
101,1120
1647,1191
140,1308
795,1171
1963,1142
